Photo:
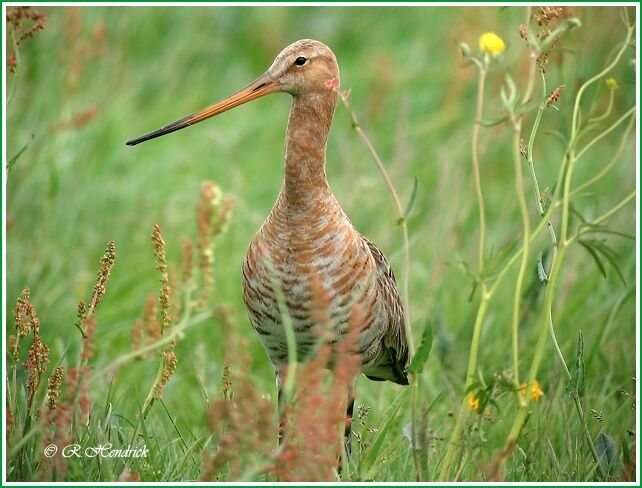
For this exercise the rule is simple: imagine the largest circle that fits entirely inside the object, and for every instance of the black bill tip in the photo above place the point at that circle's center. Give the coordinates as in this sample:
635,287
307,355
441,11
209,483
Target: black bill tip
173,127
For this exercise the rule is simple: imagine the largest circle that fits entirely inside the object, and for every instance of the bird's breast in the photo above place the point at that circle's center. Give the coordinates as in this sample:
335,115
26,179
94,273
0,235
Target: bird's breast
294,257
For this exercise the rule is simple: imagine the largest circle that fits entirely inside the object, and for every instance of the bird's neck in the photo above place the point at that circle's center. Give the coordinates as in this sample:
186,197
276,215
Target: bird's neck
305,148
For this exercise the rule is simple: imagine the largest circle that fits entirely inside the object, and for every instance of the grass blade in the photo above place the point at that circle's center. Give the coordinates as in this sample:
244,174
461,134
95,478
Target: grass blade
15,158
368,464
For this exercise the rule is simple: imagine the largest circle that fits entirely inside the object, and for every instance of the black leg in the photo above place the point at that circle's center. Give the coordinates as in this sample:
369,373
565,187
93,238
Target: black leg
349,417
281,407
347,433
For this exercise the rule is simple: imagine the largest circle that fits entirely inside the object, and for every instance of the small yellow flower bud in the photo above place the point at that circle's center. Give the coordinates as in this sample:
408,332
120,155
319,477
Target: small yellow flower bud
491,43
536,391
612,84
473,402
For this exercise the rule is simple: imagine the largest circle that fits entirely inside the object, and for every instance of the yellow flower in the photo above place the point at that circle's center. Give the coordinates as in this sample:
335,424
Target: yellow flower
536,391
612,84
491,43
473,402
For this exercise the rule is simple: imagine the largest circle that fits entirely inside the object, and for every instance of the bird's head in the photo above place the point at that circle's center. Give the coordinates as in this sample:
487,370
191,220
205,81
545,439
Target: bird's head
304,67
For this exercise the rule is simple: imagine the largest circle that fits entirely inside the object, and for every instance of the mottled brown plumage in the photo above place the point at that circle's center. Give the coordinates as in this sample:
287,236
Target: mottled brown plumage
307,236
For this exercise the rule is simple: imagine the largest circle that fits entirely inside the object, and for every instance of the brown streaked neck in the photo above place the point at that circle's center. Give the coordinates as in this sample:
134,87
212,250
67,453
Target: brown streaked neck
305,147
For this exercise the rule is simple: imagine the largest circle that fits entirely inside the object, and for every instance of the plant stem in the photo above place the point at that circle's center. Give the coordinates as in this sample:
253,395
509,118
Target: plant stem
485,296
526,231
551,328
604,72
559,258
470,375
609,107
610,164
174,332
612,127
605,215
402,219
475,163
400,212
534,54
540,207
151,395
16,73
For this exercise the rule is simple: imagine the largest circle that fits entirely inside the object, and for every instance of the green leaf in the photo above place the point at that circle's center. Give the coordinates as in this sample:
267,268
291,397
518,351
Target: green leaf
601,229
435,401
610,255
576,385
473,289
494,262
558,135
594,255
413,196
473,387
576,212
599,249
15,158
493,122
527,107
368,465
423,351
607,453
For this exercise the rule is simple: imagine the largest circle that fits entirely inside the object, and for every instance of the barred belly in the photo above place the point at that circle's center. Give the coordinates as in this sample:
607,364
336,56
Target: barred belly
327,251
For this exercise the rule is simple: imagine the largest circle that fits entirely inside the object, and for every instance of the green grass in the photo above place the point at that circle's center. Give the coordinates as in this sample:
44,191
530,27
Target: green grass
75,188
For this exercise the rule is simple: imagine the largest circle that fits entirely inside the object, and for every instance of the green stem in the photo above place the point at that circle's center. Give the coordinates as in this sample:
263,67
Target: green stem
470,376
151,395
539,348
531,165
605,215
14,389
534,54
540,207
611,128
485,296
174,332
526,230
551,328
559,257
402,219
475,164
400,212
604,72
610,164
16,73
558,350
609,107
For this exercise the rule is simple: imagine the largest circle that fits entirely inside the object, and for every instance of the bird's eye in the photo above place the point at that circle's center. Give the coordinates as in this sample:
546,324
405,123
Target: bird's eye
300,61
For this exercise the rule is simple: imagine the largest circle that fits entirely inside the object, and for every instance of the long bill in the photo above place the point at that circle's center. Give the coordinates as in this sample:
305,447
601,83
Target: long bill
261,87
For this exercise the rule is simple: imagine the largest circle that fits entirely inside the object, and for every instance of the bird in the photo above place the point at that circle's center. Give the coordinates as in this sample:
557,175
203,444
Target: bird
307,236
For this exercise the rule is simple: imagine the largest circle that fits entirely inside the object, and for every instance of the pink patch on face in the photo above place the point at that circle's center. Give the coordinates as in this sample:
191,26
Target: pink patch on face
332,84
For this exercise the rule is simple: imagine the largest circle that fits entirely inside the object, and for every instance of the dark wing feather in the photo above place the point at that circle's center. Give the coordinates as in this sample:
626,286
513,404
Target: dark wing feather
395,338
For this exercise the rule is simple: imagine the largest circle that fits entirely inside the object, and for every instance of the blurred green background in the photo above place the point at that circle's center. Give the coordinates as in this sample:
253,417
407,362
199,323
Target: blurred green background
98,76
